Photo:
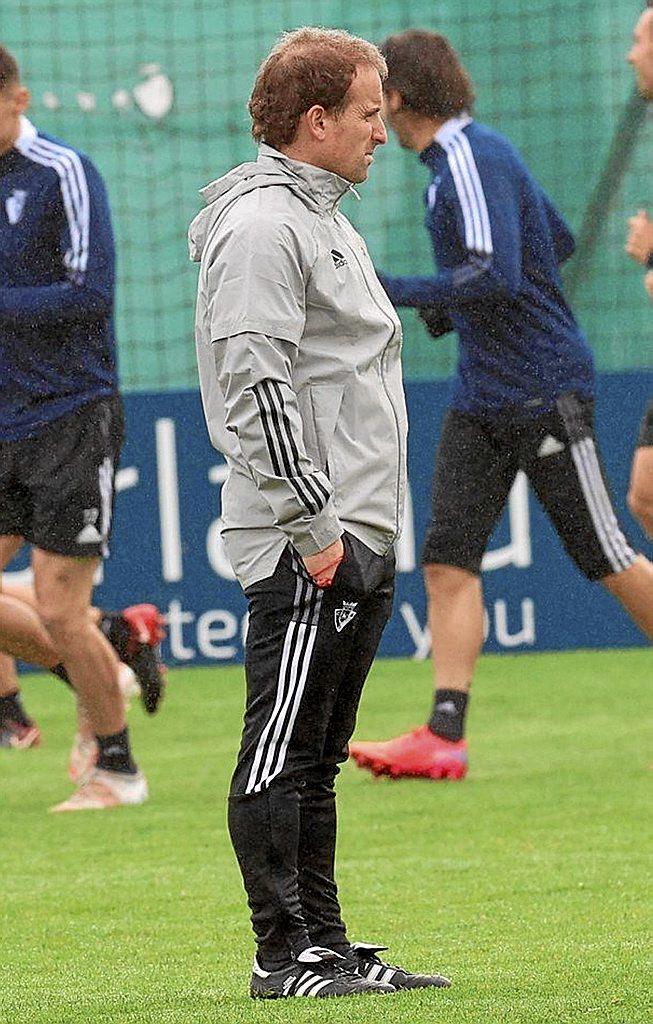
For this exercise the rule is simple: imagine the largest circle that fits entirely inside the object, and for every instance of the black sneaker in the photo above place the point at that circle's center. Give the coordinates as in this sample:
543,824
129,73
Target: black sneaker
363,959
316,972
135,634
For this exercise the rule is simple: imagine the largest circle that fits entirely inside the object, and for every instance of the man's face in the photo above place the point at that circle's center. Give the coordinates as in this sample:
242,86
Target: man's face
352,137
13,101
394,114
641,54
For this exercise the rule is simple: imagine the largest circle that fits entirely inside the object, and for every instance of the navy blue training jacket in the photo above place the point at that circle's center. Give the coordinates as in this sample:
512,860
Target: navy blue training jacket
57,269
498,241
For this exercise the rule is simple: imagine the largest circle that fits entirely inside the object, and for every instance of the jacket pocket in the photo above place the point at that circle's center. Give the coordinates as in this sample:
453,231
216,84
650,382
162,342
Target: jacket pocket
361,571
319,407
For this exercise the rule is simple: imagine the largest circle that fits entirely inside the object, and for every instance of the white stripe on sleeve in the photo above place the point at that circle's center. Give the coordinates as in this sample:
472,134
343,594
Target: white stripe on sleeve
478,233
74,191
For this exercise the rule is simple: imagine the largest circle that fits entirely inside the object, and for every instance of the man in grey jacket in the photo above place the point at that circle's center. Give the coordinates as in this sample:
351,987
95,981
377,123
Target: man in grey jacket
299,359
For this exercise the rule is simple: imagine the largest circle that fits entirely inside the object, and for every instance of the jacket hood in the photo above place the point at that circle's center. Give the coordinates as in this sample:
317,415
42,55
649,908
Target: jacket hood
319,190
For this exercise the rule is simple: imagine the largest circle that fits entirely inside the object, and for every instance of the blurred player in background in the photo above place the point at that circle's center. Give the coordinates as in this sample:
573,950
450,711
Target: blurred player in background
639,246
135,634
523,396
299,358
61,422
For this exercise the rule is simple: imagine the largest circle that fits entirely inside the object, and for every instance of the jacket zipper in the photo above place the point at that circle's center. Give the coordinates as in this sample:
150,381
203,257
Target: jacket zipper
383,382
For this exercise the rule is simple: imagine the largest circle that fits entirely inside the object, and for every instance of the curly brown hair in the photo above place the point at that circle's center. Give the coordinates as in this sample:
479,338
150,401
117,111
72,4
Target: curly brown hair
306,67
9,73
426,70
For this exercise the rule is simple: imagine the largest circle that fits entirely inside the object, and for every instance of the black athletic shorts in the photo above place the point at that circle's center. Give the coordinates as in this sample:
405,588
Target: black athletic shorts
645,438
476,464
56,488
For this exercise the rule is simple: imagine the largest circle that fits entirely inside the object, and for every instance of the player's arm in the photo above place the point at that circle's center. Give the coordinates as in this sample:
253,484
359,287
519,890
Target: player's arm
85,255
489,234
256,297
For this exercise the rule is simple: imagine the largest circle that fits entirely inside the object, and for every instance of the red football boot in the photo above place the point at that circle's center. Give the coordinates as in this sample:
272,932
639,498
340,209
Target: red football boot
417,754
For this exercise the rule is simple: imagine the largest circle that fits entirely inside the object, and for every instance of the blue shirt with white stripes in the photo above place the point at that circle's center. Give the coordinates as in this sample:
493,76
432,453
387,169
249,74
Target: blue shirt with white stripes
57,266
498,242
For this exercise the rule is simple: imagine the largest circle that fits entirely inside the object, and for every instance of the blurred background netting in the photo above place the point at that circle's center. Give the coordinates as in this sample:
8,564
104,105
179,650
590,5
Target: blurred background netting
155,92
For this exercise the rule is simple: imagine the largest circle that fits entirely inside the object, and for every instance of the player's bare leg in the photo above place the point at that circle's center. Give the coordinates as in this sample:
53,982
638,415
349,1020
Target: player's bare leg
63,587
25,592
8,675
22,633
634,589
455,615
135,632
640,493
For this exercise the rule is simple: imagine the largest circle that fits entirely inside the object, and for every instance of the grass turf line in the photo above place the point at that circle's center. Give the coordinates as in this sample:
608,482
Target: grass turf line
526,883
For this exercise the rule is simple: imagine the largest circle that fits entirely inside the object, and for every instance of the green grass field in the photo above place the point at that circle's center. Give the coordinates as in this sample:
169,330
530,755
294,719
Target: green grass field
527,883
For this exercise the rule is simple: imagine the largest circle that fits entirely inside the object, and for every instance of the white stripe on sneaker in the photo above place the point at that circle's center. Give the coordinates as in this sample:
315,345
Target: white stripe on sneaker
306,982
322,983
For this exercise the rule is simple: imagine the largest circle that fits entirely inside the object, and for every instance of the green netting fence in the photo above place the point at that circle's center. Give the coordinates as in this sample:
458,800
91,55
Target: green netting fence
155,91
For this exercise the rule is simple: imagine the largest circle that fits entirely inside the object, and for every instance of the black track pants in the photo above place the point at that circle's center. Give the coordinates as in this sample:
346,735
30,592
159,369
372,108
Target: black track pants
308,653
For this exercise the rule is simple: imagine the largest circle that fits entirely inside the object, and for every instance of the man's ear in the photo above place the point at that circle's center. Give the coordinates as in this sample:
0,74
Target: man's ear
23,98
315,122
394,101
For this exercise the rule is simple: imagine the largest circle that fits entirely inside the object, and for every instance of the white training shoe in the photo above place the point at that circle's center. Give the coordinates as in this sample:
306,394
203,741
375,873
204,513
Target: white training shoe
106,789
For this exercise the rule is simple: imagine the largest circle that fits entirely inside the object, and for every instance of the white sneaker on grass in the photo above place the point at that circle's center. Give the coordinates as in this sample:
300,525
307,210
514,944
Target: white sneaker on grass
106,789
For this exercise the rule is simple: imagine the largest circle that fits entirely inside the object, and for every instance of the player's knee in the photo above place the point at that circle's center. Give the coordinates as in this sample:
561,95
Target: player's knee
63,624
446,579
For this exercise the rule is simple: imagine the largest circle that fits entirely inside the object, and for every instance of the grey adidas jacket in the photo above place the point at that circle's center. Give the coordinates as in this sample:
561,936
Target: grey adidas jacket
298,350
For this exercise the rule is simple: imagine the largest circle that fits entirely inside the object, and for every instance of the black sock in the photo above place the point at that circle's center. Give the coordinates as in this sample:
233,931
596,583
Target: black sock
61,673
115,754
12,710
448,716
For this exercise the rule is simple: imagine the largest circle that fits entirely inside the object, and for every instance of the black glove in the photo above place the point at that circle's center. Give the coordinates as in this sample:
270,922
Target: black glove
435,320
